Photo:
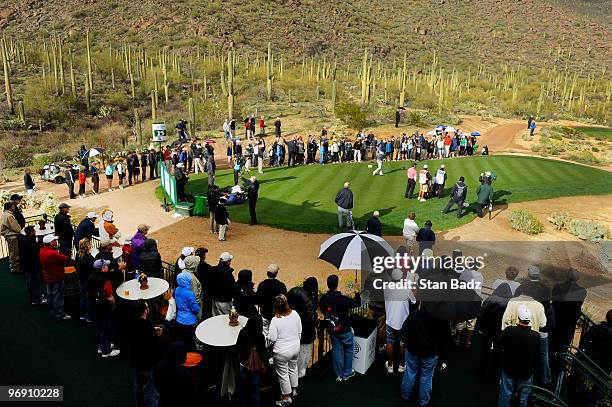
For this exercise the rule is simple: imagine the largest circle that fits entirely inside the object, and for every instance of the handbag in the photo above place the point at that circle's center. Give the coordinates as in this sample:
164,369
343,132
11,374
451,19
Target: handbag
254,363
171,314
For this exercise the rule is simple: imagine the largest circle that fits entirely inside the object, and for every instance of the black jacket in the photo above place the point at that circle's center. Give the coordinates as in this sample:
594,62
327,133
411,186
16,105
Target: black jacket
29,258
337,305
223,283
28,182
520,350
144,345
423,334
374,226
267,290
19,217
459,186
85,229
221,214
173,381
213,199
245,299
344,198
253,191
63,227
300,301
150,260
84,267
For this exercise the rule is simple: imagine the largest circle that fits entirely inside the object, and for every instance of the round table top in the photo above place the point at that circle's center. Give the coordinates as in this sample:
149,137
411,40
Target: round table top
157,286
48,230
117,252
216,331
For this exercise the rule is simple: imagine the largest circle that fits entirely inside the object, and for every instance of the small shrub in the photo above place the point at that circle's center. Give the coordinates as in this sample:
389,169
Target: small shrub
559,219
585,157
590,231
416,119
525,222
352,115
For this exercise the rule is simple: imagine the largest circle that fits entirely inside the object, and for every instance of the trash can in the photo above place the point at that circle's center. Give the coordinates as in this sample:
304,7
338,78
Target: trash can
201,206
364,343
183,208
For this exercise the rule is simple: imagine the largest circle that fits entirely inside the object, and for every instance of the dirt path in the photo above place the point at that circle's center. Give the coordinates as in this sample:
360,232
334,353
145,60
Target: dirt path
501,138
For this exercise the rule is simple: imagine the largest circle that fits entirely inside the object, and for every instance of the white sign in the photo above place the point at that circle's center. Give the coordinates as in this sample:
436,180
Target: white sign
159,132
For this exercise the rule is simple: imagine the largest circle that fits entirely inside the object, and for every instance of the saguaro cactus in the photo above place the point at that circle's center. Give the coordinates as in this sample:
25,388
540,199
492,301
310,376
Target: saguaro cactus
333,90
192,117
138,126
72,81
228,86
153,105
269,72
7,79
366,78
403,84
89,74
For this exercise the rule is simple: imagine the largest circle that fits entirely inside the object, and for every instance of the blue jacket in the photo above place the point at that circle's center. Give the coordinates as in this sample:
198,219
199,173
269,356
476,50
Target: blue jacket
187,307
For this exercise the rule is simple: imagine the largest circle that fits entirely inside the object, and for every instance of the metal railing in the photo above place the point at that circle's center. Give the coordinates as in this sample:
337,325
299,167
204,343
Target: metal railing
585,324
582,382
541,397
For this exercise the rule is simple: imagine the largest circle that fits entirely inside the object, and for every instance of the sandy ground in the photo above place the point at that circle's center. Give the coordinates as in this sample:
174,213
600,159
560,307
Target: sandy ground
255,247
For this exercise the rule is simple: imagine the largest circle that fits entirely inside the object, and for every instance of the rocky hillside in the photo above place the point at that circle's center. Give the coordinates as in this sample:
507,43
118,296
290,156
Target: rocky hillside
530,32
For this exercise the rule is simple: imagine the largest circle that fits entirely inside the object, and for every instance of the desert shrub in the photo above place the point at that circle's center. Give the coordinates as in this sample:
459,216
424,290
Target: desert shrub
590,231
585,157
352,114
416,118
559,219
524,221
14,156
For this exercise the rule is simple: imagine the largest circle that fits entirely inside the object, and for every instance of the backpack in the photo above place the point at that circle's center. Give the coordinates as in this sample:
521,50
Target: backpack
332,321
460,190
254,363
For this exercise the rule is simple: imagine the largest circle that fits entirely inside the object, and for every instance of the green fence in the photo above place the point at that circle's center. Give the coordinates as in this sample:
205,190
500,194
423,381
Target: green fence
168,183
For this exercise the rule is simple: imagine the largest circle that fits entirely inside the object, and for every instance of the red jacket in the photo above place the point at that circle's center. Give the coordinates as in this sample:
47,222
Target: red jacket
52,264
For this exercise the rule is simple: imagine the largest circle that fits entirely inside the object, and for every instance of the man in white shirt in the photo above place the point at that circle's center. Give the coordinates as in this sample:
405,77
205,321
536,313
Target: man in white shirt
397,308
409,232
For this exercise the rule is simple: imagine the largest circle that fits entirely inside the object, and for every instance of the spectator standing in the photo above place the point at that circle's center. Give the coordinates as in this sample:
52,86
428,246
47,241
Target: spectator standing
520,350
409,232
30,262
267,291
10,230
251,346
52,264
374,226
304,301
344,200
64,230
336,309
223,285
284,335
28,182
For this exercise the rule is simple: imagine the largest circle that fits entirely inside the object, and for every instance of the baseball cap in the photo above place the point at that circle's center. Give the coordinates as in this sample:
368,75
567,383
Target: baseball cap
201,251
442,166
273,268
187,251
142,227
533,272
64,205
524,313
16,197
49,238
98,264
425,166
427,253
180,165
92,215
225,256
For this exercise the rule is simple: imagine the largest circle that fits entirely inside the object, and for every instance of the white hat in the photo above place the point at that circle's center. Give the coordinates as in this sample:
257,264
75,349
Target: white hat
442,166
187,251
92,215
107,216
49,238
273,268
225,256
128,240
425,166
524,313
180,165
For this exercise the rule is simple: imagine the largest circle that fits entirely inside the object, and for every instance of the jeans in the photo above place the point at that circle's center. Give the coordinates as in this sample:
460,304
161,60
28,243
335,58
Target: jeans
104,331
508,386
33,284
55,298
250,384
425,366
342,354
544,368
459,204
84,302
144,388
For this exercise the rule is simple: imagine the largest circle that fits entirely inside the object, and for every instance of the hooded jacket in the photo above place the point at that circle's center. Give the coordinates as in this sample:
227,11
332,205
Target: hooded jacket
300,301
187,307
150,259
138,242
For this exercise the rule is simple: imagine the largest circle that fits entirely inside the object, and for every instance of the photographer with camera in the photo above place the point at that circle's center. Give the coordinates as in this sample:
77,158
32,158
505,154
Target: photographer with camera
484,194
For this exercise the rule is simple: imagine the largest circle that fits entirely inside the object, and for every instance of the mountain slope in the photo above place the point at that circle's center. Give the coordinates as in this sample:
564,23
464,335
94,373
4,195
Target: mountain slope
530,32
